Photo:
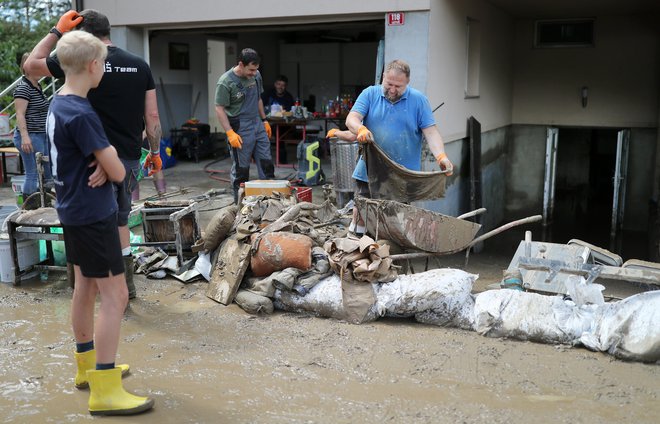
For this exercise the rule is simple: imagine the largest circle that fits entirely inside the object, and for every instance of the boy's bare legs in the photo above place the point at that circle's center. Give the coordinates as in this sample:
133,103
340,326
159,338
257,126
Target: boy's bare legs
114,299
82,307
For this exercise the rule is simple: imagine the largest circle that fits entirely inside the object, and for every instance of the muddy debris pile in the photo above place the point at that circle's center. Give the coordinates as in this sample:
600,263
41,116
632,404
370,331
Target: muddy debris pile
277,253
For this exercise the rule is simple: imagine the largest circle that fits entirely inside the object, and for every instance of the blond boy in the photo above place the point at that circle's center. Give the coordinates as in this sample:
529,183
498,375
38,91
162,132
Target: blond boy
87,209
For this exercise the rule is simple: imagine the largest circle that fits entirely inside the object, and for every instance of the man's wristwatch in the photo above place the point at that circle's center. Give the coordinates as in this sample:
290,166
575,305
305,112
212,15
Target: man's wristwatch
264,119
55,31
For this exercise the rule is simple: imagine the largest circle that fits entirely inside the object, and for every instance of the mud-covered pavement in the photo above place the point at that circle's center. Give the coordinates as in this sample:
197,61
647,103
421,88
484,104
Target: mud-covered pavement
204,362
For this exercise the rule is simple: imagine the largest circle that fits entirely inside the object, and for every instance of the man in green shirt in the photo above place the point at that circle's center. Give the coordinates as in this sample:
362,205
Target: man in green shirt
240,111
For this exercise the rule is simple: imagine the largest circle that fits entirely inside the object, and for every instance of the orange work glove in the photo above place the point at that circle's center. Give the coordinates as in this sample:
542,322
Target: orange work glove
153,163
332,133
68,21
269,131
445,164
364,135
235,140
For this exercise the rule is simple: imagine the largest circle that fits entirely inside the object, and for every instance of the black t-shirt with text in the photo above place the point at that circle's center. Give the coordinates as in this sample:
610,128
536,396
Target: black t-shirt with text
119,99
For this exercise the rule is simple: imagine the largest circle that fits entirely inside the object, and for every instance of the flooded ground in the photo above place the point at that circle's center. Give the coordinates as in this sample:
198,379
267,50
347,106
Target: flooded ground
204,362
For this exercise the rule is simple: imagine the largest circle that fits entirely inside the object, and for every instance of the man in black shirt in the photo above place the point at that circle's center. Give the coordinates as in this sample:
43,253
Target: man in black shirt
278,94
125,100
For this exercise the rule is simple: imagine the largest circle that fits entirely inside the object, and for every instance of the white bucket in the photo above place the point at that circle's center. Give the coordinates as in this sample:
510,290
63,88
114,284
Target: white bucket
5,129
28,255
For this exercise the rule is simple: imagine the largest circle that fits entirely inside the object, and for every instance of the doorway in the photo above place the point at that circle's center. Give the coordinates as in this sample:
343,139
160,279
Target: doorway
585,188
586,160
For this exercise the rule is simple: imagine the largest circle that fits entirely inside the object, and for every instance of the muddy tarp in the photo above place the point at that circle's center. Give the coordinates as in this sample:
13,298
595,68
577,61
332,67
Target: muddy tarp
389,180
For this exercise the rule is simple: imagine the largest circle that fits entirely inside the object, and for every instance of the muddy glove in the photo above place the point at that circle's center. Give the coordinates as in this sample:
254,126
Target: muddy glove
331,133
364,135
269,131
445,164
235,140
67,22
153,163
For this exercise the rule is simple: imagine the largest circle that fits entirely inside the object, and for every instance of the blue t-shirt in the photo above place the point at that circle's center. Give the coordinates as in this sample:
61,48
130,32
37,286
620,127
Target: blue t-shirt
75,132
397,128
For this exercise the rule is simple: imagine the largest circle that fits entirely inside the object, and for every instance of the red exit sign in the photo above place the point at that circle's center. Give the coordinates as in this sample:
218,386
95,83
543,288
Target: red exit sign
396,18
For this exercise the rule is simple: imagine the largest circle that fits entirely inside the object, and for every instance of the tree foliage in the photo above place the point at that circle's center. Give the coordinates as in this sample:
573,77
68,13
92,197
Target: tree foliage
22,24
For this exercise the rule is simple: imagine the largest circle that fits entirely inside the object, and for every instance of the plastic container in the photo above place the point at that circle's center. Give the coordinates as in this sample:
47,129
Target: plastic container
343,159
304,194
28,255
267,187
17,186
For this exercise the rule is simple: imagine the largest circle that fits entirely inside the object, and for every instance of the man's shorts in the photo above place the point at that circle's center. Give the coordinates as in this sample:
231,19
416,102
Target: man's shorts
125,189
95,248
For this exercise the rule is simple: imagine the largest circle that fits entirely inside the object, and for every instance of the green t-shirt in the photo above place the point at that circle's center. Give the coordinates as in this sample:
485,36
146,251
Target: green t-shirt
230,95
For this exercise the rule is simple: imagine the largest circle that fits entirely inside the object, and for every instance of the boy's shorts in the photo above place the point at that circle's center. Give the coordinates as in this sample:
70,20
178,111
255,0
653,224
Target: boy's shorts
95,248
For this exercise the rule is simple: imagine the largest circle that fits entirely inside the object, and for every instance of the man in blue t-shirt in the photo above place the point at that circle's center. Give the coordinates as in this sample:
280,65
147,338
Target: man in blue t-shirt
395,117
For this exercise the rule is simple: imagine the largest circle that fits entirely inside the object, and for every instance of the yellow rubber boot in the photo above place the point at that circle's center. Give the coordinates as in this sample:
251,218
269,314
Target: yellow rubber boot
108,397
87,361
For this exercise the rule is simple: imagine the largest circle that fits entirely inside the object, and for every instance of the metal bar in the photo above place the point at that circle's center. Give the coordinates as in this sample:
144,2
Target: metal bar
647,276
472,213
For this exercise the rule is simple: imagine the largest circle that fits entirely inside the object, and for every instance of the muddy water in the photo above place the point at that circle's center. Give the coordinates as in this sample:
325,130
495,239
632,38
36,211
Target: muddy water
204,362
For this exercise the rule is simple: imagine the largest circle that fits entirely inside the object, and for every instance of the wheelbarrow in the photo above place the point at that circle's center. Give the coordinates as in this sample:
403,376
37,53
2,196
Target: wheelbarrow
432,233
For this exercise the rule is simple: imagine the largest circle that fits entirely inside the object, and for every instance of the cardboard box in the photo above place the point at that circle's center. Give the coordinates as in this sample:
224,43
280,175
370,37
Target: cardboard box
267,187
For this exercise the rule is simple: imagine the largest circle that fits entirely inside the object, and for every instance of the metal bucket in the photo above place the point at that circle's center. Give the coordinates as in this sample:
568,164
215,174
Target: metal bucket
343,159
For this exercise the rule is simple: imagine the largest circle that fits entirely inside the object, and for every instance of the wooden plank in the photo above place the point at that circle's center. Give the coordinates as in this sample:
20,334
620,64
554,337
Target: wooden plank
228,271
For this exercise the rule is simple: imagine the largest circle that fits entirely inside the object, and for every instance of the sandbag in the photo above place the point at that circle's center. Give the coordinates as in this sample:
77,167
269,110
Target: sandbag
280,250
530,316
323,300
253,303
628,329
218,227
439,296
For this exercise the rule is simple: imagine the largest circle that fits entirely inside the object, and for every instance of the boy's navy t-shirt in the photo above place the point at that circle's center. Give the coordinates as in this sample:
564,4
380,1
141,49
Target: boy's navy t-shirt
75,132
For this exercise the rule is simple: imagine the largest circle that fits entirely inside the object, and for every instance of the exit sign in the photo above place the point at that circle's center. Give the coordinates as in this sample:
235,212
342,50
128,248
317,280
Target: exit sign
395,18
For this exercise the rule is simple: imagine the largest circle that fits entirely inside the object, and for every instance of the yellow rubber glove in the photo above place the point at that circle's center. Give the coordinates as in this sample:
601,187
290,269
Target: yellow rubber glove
331,133
364,135
269,131
235,140
445,164
153,163
68,21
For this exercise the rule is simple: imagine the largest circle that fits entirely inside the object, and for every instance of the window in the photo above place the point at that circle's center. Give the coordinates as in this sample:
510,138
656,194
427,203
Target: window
564,33
473,59
179,56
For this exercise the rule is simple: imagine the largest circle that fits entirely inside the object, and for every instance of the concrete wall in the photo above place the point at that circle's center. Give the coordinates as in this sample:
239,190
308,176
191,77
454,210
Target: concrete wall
621,72
447,66
398,42
176,13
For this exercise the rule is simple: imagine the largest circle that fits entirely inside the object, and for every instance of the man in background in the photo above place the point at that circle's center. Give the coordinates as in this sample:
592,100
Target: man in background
278,95
240,110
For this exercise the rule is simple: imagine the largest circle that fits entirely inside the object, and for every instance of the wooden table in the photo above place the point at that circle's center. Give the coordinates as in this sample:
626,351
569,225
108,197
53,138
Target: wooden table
4,151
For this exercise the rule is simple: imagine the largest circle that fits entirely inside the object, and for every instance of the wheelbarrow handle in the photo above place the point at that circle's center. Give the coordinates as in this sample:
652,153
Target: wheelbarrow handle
528,220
